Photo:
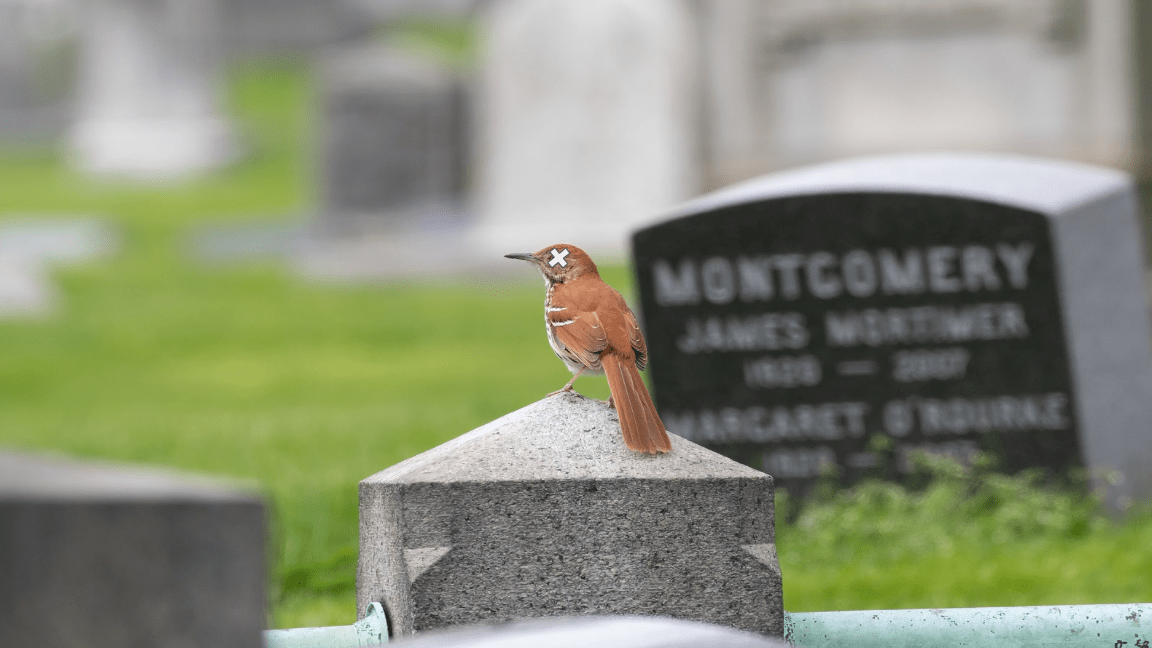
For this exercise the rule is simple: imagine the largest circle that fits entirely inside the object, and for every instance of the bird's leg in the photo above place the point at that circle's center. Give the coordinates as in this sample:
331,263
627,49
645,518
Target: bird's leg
568,387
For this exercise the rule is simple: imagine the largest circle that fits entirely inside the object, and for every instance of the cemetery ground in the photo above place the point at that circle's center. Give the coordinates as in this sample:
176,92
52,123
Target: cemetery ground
302,389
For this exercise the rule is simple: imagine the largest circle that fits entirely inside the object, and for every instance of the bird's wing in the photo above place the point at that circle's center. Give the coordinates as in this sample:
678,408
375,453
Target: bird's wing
636,338
581,333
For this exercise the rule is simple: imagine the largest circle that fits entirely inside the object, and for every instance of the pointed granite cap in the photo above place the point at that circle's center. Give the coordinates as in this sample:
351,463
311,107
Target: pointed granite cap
545,512
564,436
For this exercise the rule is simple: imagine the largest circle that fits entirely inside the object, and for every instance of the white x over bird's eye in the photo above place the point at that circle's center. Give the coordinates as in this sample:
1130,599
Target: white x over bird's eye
558,257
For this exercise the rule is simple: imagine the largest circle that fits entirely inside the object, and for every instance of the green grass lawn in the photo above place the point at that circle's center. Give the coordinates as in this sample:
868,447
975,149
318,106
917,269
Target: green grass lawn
304,389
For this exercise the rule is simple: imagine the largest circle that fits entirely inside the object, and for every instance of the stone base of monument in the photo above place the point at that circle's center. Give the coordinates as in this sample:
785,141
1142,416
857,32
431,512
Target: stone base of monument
545,512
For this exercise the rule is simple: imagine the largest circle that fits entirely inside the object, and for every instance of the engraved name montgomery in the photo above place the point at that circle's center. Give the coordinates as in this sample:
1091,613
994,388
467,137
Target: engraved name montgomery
931,270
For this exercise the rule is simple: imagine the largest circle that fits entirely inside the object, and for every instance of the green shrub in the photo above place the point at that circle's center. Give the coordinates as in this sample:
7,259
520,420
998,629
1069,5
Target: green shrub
959,537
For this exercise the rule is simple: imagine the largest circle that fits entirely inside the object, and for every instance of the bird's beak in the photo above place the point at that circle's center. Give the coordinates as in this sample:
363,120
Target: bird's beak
522,256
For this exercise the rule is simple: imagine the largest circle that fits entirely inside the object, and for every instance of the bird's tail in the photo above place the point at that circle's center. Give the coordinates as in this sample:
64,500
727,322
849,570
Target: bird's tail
641,425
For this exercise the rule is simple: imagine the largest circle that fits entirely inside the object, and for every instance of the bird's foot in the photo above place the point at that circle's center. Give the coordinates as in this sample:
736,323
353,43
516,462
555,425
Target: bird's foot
610,402
566,388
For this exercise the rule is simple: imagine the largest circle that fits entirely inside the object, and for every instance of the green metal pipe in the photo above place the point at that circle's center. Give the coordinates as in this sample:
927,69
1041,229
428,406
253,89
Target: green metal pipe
1067,626
1087,626
372,630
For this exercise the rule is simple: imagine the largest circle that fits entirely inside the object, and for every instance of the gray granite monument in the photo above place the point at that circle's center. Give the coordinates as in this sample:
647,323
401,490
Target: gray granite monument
847,315
96,555
544,512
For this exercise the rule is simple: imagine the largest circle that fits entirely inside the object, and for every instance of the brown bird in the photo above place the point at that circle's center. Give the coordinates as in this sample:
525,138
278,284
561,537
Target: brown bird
593,331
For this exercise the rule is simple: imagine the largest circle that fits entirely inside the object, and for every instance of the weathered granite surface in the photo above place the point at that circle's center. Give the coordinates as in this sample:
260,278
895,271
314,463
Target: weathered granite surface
544,512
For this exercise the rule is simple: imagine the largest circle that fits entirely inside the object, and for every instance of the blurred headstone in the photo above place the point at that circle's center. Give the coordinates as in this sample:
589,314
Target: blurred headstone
587,119
25,288
30,248
150,88
57,240
230,242
737,118
845,315
37,69
286,27
294,27
545,512
386,10
794,81
97,555
395,137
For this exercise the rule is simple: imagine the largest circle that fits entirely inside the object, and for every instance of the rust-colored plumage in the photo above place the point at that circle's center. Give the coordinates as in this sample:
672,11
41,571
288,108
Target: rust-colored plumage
592,330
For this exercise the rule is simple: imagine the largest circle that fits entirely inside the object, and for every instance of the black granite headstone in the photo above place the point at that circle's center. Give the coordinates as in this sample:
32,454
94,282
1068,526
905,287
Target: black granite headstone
844,316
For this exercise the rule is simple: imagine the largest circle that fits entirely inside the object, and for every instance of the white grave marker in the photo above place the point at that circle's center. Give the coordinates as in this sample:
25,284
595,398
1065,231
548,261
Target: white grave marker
149,88
587,119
